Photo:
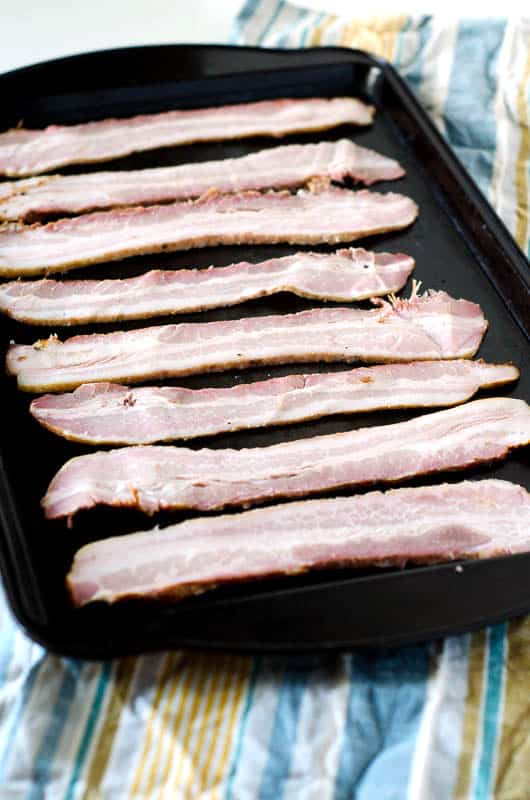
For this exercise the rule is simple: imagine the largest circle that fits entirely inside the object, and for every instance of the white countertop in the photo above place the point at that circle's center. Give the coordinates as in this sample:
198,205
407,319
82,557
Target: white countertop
37,30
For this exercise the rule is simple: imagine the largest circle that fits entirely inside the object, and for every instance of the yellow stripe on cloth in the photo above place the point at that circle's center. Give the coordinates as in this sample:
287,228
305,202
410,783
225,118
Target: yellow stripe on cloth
513,760
239,688
317,36
195,728
107,733
203,781
521,170
377,35
207,735
204,728
190,682
191,729
171,661
472,715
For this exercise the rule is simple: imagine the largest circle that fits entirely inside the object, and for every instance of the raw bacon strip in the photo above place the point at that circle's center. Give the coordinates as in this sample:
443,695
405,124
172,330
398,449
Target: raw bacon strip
29,152
156,478
309,217
466,520
347,275
279,167
433,326
104,413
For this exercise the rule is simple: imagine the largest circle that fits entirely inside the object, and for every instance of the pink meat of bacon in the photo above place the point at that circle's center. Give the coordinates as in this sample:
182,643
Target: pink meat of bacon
277,168
106,413
332,215
465,520
433,326
159,478
29,152
347,275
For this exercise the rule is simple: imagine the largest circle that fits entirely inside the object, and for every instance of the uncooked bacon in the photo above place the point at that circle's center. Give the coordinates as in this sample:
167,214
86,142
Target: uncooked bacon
332,215
467,520
160,478
277,168
347,275
433,326
29,152
106,413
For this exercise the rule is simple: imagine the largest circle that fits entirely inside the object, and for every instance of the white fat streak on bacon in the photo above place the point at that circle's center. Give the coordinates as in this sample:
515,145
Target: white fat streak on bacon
29,152
331,215
467,520
433,326
347,275
155,478
276,168
107,413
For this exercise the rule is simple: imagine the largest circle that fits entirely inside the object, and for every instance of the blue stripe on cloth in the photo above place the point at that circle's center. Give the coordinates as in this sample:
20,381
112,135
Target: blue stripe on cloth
413,72
50,740
270,23
387,696
89,729
399,44
17,713
485,773
283,734
244,718
282,40
469,111
246,13
7,640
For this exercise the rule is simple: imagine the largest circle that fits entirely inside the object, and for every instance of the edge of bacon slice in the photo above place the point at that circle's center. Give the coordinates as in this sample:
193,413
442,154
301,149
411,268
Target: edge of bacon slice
283,167
106,413
331,215
433,326
468,520
347,275
29,152
159,478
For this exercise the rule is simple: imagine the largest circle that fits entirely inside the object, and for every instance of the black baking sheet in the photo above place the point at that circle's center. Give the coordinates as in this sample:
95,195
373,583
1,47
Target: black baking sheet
459,245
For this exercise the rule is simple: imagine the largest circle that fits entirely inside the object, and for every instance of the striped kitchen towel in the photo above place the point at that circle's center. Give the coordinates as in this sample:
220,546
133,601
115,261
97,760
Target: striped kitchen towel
424,722
472,76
